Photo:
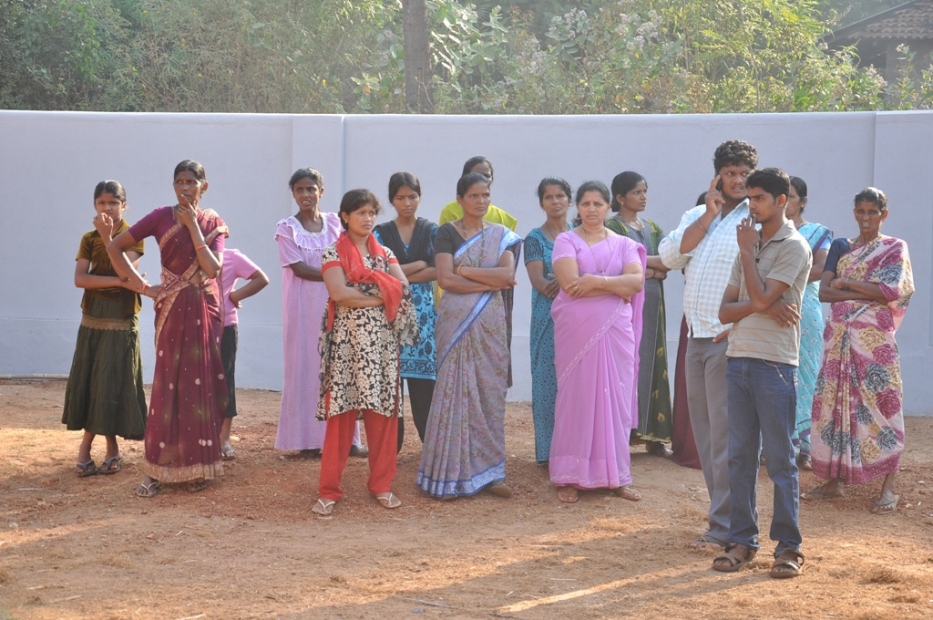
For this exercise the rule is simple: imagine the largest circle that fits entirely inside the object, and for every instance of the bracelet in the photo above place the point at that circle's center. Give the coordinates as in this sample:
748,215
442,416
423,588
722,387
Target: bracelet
845,283
197,248
607,281
459,267
705,228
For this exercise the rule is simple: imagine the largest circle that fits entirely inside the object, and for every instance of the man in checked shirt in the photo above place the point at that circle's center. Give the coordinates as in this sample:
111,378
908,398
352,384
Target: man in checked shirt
704,245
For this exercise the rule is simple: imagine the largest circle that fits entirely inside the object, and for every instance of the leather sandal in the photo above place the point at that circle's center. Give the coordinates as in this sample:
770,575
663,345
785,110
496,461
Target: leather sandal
733,558
787,564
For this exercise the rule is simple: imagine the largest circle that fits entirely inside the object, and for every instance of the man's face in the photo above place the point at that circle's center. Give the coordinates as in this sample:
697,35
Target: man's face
763,206
733,181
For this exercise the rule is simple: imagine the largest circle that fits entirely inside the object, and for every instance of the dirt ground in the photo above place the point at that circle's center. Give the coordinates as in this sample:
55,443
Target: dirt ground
249,546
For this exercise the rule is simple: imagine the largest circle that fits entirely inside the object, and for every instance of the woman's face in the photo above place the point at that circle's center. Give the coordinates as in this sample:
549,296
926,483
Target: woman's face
475,201
361,222
555,202
869,218
593,209
636,199
794,204
484,169
406,201
307,194
188,189
111,205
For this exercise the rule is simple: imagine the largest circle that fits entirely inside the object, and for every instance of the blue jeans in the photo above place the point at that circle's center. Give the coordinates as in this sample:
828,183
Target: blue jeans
762,406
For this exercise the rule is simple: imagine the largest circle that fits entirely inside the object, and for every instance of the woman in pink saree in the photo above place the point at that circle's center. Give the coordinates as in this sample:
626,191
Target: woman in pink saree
857,426
597,331
189,394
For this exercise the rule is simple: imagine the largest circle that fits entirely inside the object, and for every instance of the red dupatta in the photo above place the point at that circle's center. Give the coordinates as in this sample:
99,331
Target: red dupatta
351,260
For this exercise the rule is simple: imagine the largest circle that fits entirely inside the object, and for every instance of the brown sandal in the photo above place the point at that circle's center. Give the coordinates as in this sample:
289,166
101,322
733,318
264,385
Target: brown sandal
787,564
568,495
733,558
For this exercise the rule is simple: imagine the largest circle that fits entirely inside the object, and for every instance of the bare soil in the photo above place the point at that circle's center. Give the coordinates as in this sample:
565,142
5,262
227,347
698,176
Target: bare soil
249,546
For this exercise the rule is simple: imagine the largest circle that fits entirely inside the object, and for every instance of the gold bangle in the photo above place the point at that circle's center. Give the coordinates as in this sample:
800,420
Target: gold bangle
198,248
845,283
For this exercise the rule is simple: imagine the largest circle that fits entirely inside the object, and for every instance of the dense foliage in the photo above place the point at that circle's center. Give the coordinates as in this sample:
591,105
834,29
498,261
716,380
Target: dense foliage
333,56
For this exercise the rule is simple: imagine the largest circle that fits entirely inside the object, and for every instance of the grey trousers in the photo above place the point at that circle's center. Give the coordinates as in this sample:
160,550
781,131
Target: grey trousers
707,397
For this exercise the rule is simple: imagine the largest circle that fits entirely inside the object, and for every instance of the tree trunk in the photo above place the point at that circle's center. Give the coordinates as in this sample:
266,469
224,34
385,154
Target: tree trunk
417,57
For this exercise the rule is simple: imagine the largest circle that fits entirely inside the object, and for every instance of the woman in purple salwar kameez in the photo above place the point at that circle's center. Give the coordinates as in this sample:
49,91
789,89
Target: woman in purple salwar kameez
597,330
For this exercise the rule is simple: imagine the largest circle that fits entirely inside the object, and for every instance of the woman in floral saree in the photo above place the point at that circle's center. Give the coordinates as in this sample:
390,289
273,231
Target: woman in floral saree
464,444
858,420
189,394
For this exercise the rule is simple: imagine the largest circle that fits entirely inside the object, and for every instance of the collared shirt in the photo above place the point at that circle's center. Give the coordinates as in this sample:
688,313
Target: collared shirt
785,257
707,267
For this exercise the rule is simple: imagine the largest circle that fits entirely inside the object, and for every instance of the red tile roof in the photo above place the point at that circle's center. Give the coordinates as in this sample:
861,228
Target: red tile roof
910,21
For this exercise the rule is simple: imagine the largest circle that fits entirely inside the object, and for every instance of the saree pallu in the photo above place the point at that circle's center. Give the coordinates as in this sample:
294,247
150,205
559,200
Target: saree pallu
654,388
596,341
811,341
189,393
858,419
464,443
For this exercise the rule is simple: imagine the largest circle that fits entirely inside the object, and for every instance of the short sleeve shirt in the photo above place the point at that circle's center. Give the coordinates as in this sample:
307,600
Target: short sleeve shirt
236,265
93,250
786,258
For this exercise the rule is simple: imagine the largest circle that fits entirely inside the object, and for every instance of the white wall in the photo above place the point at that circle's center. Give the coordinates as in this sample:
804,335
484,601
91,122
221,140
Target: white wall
50,162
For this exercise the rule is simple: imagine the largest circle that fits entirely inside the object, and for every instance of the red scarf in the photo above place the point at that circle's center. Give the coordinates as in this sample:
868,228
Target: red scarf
356,271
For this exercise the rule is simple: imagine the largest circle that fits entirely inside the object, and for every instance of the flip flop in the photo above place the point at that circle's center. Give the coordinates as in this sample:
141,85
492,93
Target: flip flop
820,493
734,558
628,493
228,453
148,490
787,564
568,495
323,507
500,489
885,508
111,465
87,469
196,486
388,500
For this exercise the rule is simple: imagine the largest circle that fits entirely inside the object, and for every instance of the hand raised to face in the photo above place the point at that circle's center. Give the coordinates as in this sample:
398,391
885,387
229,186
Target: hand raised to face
745,234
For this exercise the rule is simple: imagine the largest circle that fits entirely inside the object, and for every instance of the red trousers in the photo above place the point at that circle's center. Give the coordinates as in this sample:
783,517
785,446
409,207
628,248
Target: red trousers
381,435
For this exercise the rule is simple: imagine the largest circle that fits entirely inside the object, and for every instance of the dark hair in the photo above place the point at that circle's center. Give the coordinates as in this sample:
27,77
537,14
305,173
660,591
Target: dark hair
306,173
469,180
548,181
593,186
734,153
623,183
773,180
701,199
800,185
355,200
110,187
801,188
191,166
403,179
473,161
874,196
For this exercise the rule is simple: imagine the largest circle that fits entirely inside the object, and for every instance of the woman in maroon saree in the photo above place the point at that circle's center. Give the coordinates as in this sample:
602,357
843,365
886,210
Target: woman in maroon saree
188,390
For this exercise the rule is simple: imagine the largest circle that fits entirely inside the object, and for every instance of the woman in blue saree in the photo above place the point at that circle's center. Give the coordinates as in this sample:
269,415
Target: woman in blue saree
464,444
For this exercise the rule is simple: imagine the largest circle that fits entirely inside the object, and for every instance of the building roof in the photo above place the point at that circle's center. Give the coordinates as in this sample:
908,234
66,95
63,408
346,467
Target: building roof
906,22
